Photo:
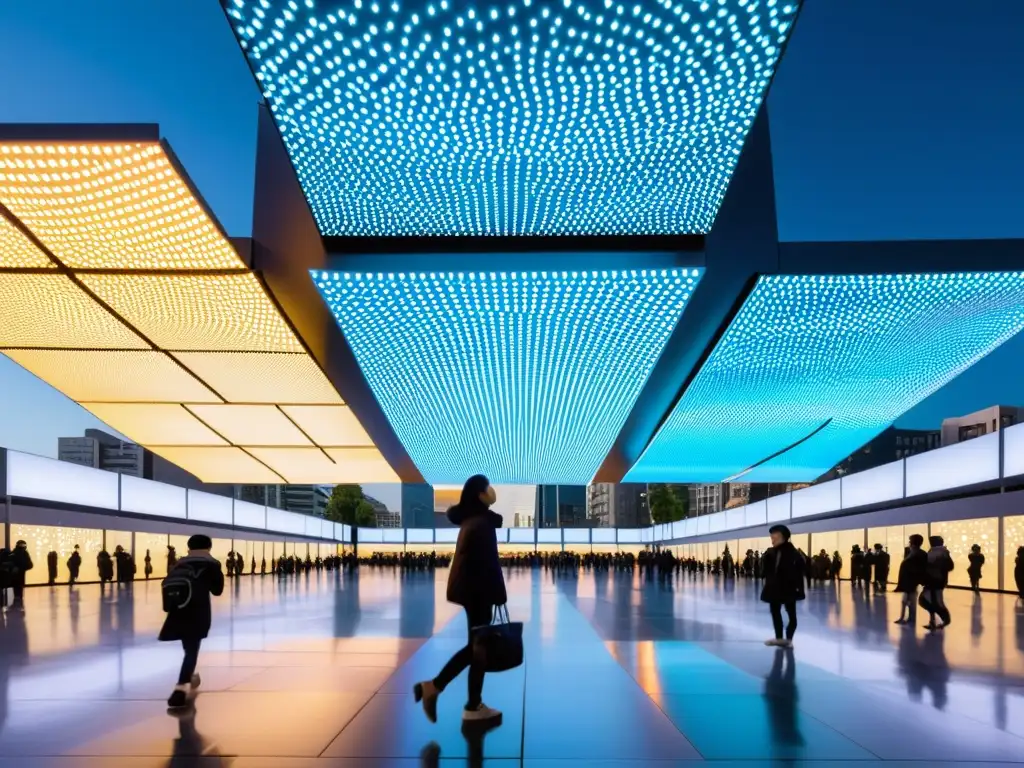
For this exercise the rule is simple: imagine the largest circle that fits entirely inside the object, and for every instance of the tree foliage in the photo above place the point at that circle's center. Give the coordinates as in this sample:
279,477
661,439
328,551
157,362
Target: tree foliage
666,506
348,505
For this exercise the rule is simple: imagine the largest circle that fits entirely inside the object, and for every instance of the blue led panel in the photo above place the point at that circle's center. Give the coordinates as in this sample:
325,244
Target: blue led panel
829,361
445,117
526,377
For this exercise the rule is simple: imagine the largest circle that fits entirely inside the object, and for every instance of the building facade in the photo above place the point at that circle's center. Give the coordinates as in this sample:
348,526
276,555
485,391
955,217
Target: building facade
417,505
561,506
983,422
618,505
100,450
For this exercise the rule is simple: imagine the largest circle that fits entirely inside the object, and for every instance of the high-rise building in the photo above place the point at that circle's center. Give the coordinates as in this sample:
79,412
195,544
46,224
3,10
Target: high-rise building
417,505
983,422
619,505
889,445
561,506
304,499
100,450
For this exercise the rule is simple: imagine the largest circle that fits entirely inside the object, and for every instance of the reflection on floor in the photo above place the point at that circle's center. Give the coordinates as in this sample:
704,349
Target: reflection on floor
620,673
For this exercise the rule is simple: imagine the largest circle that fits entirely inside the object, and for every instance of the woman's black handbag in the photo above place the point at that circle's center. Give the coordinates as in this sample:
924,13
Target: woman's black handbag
501,641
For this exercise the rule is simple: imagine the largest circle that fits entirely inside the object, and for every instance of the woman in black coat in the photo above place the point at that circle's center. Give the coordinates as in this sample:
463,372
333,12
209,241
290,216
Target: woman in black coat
477,584
783,568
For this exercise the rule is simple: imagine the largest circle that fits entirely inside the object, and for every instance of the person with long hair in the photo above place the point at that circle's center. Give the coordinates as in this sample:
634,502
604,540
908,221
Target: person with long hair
475,582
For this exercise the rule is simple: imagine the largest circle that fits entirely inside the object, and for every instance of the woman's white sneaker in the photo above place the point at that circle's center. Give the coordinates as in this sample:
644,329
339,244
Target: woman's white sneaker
481,713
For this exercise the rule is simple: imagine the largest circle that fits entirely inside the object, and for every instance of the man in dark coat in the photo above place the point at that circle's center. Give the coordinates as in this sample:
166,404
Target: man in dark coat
74,566
105,566
783,583
22,562
51,567
911,575
188,621
881,561
475,582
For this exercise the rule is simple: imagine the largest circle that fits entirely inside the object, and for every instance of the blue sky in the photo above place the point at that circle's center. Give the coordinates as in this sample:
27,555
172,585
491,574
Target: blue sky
890,120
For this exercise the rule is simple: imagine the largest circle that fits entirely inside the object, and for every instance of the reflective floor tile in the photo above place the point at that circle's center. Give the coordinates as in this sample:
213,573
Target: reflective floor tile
333,678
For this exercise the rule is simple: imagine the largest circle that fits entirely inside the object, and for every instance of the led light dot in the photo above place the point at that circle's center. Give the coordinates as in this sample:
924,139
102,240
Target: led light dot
110,206
526,377
581,117
860,350
16,250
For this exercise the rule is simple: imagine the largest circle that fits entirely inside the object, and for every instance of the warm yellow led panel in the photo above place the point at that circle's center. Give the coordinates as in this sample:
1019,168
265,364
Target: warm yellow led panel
218,465
110,206
42,310
310,465
251,424
255,377
198,312
329,424
120,377
16,250
155,423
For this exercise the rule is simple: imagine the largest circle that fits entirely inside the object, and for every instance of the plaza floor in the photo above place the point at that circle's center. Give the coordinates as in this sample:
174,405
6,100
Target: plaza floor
621,672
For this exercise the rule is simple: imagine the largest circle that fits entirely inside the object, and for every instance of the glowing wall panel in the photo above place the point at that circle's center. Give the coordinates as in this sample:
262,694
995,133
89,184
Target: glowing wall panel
209,507
312,525
369,535
603,536
629,535
959,536
526,377
146,497
735,518
1013,547
393,535
520,536
549,536
42,539
678,529
1013,451
285,522
755,513
873,486
830,361
426,118
778,508
690,526
446,535
92,203
966,463
419,535
574,535
816,499
36,477
249,515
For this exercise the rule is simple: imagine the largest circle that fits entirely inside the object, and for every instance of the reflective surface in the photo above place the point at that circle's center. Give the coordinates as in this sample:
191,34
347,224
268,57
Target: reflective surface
621,672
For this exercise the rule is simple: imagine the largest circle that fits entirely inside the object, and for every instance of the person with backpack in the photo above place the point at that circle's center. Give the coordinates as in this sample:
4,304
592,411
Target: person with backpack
186,598
940,563
784,573
105,567
475,582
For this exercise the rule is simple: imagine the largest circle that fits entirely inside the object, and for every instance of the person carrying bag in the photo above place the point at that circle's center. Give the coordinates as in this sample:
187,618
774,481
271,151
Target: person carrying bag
475,582
500,642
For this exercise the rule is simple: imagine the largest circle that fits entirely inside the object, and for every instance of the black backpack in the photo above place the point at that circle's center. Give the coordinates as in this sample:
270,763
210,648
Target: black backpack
177,588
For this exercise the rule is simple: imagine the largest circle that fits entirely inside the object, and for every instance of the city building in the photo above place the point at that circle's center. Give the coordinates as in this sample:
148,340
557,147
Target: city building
618,505
983,422
561,506
384,517
891,445
101,450
417,505
304,499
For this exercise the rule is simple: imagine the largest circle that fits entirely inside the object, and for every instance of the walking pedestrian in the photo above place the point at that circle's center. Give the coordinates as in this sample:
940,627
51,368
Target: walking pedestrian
74,566
475,582
186,598
783,584
22,562
912,574
976,560
940,563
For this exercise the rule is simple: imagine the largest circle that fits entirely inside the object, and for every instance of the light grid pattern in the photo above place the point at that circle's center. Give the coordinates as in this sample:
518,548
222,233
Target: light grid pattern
521,376
329,425
152,423
110,206
113,376
853,352
437,117
343,465
16,250
251,424
219,465
198,312
257,377
49,310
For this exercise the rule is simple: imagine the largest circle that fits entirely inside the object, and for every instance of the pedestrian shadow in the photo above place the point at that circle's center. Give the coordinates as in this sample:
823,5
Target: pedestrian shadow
474,734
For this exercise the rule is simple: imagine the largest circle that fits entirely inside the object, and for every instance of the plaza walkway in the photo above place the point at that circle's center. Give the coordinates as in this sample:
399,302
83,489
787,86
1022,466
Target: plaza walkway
620,673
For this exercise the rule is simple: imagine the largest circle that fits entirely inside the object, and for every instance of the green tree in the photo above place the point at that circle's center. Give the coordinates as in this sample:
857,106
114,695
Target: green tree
348,505
666,506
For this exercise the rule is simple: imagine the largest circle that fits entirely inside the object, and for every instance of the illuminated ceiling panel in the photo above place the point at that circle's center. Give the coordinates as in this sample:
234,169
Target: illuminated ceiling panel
16,250
345,465
329,424
103,376
255,377
218,465
198,312
150,423
814,367
49,310
521,376
251,424
433,117
110,205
